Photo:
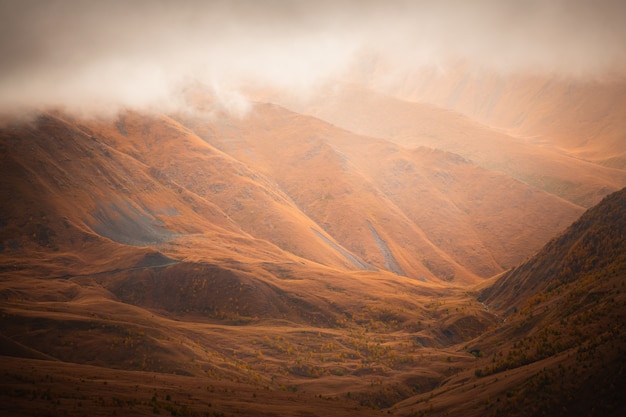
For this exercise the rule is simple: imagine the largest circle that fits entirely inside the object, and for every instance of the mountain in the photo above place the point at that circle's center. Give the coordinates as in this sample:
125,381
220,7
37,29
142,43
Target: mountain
272,263
77,198
275,179
398,208
559,346
575,115
412,123
593,245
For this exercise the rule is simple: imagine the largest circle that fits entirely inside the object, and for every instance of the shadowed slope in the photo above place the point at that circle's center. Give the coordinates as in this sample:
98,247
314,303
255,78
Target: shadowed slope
594,244
559,347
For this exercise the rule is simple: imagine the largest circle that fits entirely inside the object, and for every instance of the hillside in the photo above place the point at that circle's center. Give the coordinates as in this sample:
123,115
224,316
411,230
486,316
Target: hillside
73,188
559,346
593,245
386,203
413,124
573,115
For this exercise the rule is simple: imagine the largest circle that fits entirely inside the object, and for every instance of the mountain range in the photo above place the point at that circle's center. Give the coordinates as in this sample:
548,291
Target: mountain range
423,253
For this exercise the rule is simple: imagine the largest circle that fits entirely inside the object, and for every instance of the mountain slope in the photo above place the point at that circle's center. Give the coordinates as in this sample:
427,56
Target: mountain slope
593,245
559,347
272,176
424,206
579,116
415,124
71,183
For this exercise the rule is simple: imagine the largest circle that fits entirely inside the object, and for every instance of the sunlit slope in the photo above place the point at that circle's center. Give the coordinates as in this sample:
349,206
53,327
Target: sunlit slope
393,206
179,158
418,124
294,151
486,220
583,116
140,185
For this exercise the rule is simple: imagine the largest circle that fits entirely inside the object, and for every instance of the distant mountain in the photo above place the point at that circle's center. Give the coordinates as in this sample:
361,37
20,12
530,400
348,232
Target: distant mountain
579,116
389,204
536,161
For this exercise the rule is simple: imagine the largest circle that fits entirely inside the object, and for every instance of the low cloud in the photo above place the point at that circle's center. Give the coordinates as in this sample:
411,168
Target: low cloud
98,56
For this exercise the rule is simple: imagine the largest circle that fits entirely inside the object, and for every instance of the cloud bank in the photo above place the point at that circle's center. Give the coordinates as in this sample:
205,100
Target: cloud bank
91,55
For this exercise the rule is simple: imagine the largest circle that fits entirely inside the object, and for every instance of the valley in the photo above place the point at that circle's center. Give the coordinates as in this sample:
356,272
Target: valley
360,255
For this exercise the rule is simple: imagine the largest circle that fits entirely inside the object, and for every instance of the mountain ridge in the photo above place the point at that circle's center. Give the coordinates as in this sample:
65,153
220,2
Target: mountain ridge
413,123
348,152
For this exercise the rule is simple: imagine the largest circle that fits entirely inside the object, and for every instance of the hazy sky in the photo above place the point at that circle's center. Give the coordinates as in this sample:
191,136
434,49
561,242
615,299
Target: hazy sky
89,54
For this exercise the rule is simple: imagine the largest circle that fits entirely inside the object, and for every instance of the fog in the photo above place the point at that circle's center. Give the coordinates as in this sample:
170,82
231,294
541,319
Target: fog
102,55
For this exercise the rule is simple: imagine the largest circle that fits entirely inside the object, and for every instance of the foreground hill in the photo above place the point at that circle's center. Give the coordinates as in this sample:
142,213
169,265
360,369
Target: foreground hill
559,349
593,245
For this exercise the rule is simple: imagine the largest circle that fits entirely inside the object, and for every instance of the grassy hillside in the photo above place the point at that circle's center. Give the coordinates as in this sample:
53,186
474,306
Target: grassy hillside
426,211
558,348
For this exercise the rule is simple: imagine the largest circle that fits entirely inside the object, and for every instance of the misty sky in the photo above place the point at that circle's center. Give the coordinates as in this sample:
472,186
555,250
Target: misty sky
139,53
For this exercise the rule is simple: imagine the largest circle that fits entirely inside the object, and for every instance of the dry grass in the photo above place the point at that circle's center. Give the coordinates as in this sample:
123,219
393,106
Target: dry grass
222,266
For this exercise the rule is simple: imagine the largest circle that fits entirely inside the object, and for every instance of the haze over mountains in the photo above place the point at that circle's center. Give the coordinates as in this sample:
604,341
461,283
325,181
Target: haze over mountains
280,208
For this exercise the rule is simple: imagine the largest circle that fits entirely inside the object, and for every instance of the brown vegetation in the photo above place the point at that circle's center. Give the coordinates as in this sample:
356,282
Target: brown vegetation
274,264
